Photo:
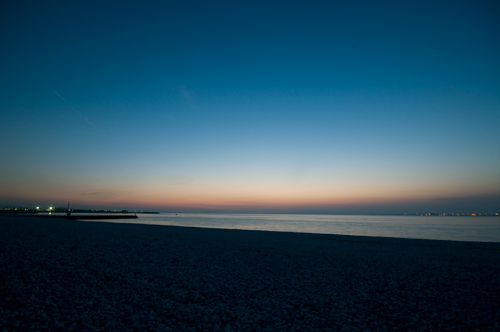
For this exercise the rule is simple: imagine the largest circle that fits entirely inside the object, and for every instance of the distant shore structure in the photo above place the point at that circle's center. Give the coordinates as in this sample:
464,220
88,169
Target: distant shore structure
57,211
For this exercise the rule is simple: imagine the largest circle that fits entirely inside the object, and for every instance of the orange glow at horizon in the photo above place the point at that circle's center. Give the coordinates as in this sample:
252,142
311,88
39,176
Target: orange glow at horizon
230,198
221,192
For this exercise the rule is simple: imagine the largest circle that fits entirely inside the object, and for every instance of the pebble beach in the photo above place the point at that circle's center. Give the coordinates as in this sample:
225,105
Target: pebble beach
72,275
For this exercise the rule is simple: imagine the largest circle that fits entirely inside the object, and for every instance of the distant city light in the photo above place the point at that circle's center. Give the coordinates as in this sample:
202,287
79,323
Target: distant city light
38,208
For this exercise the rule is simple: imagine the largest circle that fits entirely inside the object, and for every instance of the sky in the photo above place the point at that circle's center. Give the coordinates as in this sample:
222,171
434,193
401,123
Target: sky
251,106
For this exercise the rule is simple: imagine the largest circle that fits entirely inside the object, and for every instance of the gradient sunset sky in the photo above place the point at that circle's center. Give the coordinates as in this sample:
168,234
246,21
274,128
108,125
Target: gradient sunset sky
251,106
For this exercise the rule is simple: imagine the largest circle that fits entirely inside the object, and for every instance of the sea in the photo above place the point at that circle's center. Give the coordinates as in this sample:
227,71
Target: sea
455,228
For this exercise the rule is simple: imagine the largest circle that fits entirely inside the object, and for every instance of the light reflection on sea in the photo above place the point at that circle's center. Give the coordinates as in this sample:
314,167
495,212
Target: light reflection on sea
484,229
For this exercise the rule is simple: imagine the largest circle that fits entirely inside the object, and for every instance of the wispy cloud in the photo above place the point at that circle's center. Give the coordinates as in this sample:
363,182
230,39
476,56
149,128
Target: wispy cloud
102,193
84,118
179,180
184,92
57,93
74,110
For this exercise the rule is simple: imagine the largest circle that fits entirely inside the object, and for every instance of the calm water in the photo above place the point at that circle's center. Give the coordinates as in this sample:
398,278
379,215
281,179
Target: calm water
485,229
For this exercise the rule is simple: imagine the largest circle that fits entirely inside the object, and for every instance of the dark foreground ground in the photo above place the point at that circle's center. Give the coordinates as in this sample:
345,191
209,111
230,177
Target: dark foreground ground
63,275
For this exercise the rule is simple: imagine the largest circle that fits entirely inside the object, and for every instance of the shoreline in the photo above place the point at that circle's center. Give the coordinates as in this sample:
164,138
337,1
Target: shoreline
120,276
338,237
328,236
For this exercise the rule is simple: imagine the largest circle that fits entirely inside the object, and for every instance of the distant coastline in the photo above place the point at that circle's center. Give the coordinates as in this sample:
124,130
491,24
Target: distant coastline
18,210
22,210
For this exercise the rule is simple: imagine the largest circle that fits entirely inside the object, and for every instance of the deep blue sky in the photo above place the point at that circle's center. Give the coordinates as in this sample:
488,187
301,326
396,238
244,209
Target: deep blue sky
251,106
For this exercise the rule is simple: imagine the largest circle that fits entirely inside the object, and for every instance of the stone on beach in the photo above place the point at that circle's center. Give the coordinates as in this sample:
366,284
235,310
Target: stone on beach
73,275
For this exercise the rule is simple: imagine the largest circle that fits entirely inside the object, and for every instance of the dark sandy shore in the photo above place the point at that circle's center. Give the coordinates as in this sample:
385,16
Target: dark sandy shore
63,275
